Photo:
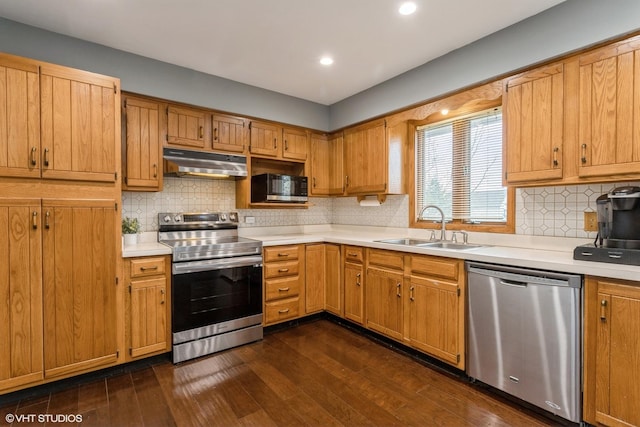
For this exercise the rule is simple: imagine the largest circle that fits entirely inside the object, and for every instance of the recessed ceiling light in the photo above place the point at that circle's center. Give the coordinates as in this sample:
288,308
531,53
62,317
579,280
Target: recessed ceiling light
444,111
407,8
325,60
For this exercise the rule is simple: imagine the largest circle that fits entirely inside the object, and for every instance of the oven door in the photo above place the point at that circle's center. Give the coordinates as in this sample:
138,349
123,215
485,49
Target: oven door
210,292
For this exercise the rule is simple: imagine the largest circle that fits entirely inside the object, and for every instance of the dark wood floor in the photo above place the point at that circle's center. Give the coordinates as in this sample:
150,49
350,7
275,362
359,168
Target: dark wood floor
318,373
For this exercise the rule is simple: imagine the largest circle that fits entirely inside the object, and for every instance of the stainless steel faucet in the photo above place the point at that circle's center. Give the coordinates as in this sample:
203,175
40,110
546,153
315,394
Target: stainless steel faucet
443,230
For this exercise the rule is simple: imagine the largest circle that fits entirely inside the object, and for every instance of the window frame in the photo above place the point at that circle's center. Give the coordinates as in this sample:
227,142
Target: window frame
491,227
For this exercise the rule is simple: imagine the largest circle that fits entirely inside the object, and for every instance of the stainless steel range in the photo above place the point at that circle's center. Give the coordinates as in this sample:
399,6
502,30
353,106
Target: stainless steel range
216,283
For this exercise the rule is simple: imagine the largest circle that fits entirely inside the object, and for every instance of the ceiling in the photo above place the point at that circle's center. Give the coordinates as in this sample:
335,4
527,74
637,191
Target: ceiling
277,44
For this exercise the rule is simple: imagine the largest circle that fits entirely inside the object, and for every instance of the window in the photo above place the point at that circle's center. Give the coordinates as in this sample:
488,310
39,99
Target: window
459,169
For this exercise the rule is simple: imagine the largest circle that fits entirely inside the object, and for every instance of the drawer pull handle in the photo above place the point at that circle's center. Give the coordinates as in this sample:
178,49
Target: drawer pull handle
201,133
155,267
352,254
286,310
284,289
283,270
33,156
283,254
35,220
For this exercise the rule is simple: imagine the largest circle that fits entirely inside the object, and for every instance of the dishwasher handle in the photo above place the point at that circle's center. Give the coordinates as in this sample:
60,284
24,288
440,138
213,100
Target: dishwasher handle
517,275
513,283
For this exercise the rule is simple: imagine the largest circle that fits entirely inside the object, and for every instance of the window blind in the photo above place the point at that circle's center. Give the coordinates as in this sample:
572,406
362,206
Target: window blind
459,168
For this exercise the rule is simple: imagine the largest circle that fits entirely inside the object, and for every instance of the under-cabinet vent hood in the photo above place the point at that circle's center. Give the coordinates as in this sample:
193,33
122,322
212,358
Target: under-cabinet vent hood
188,163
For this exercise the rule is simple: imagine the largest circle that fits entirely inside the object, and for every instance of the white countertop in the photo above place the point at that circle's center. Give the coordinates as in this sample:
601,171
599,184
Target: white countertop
147,246
523,251
552,254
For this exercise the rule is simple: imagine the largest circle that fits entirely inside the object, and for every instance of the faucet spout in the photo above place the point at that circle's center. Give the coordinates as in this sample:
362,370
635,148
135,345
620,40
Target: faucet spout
443,230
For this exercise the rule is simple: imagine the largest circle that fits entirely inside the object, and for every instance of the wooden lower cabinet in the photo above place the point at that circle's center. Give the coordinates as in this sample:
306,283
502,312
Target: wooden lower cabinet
284,280
315,277
353,284
79,271
20,293
333,280
384,293
148,306
611,352
436,308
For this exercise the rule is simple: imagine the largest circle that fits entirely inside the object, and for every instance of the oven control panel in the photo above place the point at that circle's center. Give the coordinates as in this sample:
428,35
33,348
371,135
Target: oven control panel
207,218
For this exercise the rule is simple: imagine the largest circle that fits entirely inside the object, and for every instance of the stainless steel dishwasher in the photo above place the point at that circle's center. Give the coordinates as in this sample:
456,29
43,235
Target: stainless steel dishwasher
525,335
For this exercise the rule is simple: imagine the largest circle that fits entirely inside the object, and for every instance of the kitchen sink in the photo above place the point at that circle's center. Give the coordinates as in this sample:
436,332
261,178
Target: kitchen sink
406,241
438,244
450,245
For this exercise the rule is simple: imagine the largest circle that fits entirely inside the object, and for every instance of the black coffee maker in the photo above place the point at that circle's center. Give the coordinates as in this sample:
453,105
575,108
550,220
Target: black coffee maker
619,218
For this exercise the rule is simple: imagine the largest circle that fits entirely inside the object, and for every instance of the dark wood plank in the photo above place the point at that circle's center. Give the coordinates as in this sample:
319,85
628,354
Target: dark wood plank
92,395
123,405
153,405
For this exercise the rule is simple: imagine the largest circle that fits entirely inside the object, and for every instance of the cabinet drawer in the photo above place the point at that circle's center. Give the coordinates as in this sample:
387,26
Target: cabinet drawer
281,269
435,266
281,253
281,310
147,266
388,259
354,254
282,288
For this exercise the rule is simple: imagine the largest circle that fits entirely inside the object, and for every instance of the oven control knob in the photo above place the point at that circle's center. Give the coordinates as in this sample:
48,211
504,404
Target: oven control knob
166,218
177,218
223,217
233,217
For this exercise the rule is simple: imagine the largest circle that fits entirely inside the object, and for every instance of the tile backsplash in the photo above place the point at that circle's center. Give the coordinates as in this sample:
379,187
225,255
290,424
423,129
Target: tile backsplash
542,211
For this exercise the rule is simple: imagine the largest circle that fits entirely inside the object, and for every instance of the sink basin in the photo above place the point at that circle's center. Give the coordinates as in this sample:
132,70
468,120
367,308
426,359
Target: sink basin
430,244
449,245
406,241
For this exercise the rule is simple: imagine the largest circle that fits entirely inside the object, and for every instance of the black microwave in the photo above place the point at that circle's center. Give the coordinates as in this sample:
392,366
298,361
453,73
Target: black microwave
270,187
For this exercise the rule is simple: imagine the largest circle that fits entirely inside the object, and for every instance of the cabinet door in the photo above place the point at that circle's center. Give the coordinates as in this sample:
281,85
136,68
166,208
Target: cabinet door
534,125
434,325
384,301
79,263
20,293
366,159
327,174
186,128
295,145
143,158
148,310
79,119
353,292
265,139
314,278
617,354
20,154
609,118
229,133
333,288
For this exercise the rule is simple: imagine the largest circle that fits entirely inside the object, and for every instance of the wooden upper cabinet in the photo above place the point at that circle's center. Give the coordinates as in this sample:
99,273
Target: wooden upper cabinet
187,128
79,271
295,144
20,292
80,124
142,145
265,139
327,172
609,110
20,154
365,157
533,122
272,140
229,133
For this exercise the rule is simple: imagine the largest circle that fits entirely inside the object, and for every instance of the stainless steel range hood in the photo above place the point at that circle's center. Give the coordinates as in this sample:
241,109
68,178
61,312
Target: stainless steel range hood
188,163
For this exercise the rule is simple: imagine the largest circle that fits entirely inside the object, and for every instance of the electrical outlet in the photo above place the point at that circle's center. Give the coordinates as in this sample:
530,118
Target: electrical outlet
250,219
590,221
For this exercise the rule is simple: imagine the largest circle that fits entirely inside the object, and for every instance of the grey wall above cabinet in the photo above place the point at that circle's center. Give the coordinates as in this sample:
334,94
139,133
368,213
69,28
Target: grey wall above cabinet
569,26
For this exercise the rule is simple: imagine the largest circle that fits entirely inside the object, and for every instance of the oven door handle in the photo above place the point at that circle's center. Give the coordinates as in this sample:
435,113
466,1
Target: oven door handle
215,264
